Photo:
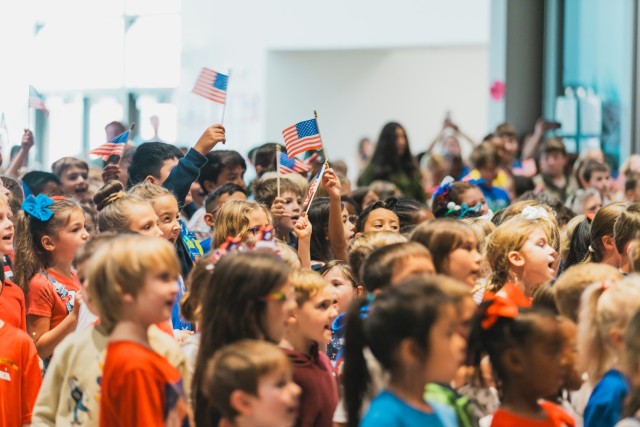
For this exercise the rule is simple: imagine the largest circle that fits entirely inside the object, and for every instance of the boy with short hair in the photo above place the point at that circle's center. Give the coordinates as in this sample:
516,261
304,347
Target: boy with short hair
285,209
486,159
309,330
552,178
597,175
212,205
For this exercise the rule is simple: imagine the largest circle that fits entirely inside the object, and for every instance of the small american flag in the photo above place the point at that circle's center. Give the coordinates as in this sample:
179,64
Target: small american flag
212,85
36,100
294,165
111,148
302,137
313,188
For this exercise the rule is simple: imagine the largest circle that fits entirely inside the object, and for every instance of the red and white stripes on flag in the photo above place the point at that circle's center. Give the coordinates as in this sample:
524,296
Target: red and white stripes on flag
313,188
36,100
212,85
115,147
301,137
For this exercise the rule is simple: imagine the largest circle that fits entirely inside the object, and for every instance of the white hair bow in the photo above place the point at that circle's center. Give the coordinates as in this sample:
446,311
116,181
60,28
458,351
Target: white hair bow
533,212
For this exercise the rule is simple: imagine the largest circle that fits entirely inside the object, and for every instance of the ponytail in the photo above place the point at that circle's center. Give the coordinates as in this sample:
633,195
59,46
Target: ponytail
356,378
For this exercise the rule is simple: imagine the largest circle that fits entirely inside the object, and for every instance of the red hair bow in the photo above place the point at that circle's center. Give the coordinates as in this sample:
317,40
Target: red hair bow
500,307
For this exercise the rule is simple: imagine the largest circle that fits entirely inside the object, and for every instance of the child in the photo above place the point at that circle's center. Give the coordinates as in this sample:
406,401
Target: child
521,254
20,375
259,309
365,243
212,205
625,230
553,178
250,383
525,348
36,182
12,304
71,389
285,208
129,304
603,248
632,370
48,234
324,219
632,188
379,216
597,175
309,330
467,196
239,218
605,311
391,264
411,331
74,176
585,201
486,160
454,248
119,212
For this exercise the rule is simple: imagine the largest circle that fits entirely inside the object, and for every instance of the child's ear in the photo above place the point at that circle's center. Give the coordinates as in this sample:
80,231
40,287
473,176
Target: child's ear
359,290
241,401
128,298
515,258
616,336
513,360
47,243
151,179
208,219
609,243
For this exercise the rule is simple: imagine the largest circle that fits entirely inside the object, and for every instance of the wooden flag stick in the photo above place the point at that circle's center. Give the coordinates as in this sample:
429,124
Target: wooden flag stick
324,151
224,106
306,211
278,150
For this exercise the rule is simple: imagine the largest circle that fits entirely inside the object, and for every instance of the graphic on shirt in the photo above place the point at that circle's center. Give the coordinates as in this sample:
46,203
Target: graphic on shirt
77,396
7,367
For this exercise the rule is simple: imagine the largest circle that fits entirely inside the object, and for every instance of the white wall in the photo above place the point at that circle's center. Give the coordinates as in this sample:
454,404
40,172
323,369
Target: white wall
356,92
437,50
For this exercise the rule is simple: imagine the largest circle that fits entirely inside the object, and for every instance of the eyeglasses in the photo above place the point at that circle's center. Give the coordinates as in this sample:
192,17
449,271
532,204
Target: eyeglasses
279,296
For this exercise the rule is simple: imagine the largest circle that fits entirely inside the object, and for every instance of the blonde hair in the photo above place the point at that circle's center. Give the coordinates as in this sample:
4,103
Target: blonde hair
483,228
31,255
149,191
634,255
365,243
233,220
604,305
568,289
113,206
239,366
121,266
510,236
191,302
288,254
306,284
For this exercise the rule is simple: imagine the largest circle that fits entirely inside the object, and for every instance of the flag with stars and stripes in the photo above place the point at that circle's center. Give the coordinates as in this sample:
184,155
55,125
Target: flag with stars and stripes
36,100
294,165
301,137
111,148
212,85
313,188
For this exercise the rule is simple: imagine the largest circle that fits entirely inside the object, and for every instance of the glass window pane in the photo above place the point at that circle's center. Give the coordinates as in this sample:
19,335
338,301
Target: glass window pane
145,7
153,52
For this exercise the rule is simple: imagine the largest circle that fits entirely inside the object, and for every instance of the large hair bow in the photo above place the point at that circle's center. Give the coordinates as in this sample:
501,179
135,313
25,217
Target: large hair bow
38,207
500,307
534,212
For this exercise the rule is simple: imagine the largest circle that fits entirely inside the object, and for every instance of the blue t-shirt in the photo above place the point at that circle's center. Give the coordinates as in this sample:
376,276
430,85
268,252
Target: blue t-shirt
604,408
387,410
496,197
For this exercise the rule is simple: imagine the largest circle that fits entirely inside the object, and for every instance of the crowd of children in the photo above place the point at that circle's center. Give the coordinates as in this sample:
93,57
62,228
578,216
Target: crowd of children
160,289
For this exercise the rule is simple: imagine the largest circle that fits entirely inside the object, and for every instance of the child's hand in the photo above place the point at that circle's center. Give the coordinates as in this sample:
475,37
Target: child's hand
111,172
277,208
213,135
77,302
331,184
303,227
27,139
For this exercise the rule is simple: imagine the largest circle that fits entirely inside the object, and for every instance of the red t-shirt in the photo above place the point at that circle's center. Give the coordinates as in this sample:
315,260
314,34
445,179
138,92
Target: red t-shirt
20,376
45,301
557,417
140,388
12,307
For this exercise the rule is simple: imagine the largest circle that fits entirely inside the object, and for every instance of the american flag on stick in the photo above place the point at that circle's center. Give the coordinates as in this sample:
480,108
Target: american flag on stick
111,148
301,137
36,100
294,165
212,85
312,189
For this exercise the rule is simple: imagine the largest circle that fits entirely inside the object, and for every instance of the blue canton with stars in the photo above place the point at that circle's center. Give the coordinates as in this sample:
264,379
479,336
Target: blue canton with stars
221,82
307,128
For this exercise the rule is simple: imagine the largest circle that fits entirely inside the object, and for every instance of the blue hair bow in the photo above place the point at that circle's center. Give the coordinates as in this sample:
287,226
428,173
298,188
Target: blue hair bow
38,207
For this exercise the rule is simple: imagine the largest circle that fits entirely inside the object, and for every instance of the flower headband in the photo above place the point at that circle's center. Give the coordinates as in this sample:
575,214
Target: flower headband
444,188
461,210
38,207
264,240
533,213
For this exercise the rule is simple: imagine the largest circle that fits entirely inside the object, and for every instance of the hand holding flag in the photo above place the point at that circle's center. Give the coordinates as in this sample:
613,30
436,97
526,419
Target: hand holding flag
312,189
